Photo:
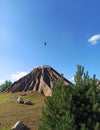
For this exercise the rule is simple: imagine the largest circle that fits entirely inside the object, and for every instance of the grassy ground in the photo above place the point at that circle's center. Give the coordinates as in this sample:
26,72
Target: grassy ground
11,111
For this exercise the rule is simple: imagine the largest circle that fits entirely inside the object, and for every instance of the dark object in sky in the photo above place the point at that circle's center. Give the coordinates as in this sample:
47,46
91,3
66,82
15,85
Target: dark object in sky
45,43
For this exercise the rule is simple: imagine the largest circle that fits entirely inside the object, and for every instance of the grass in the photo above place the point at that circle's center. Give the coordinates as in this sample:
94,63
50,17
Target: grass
11,111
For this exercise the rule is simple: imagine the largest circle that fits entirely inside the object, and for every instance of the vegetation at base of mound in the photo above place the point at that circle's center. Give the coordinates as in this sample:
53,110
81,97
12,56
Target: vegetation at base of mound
5,85
11,111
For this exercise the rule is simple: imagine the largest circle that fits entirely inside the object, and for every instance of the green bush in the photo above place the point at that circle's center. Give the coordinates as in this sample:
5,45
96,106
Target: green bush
74,107
5,85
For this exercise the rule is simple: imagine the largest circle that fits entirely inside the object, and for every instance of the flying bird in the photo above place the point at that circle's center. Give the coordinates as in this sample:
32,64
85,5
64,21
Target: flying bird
45,43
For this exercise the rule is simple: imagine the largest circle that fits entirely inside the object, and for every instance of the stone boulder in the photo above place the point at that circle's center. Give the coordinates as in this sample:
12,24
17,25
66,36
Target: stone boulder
28,103
20,100
20,126
13,97
23,94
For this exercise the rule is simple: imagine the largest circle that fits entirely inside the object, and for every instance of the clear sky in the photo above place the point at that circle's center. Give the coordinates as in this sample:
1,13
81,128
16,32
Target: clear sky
71,29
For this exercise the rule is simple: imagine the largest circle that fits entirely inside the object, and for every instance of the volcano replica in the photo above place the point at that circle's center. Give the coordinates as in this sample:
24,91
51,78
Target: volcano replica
40,79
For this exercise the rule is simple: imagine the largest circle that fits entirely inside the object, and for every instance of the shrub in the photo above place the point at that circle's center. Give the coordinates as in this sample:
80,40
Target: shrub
5,85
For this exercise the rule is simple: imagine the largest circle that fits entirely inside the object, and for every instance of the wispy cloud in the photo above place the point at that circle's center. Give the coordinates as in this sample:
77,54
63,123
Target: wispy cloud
17,76
14,77
72,79
94,39
1,81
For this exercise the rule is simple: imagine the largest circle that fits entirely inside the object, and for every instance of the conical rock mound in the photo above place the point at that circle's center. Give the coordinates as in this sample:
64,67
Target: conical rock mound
40,79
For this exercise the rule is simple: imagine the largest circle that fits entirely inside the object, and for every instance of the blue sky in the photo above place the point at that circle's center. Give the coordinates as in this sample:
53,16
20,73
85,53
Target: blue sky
71,29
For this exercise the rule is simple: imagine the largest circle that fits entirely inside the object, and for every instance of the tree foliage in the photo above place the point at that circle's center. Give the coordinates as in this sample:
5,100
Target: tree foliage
86,101
53,116
74,107
5,85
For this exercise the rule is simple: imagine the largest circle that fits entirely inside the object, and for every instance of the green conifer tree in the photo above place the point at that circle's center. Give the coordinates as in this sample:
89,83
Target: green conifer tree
86,101
74,107
53,116
5,85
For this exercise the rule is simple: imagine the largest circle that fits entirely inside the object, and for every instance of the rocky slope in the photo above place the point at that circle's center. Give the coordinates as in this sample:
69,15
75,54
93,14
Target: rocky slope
40,79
